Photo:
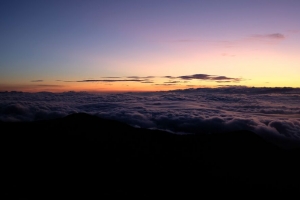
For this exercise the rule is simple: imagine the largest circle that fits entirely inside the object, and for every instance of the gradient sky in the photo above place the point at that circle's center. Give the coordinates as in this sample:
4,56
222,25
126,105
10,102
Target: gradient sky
144,45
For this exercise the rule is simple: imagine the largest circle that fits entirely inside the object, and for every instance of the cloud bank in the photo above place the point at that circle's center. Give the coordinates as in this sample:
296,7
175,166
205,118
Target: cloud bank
273,113
170,79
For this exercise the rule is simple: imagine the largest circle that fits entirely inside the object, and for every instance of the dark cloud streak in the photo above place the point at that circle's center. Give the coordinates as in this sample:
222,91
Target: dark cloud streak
273,36
112,80
45,85
172,82
172,79
111,77
37,81
208,77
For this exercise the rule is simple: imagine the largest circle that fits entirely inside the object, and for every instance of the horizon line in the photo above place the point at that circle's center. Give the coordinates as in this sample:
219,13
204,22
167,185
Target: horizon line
137,91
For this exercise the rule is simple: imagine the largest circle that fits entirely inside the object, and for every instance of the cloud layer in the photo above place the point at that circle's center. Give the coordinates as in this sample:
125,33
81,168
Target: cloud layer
273,113
170,79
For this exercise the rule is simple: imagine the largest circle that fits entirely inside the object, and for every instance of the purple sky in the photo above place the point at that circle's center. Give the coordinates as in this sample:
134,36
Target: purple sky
51,45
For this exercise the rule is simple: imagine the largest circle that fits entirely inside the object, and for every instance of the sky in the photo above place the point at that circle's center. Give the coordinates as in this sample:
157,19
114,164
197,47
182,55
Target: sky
148,45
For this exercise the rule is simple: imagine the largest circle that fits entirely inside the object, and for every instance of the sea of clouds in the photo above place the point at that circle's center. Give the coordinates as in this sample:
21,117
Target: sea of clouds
273,113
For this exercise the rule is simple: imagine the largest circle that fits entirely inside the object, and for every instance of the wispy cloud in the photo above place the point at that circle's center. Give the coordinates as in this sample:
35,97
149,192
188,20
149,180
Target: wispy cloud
272,36
172,82
195,76
223,81
221,78
111,77
208,77
35,81
139,77
165,84
269,38
170,79
112,80
46,85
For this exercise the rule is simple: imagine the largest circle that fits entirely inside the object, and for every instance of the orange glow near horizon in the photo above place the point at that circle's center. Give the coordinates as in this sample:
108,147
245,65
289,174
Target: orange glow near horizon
135,87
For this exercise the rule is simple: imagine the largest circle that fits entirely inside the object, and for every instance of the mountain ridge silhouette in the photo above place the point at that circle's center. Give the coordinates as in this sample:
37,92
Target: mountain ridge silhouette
81,155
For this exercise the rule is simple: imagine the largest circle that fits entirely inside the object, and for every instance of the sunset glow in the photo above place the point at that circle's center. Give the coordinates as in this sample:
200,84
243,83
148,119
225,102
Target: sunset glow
75,45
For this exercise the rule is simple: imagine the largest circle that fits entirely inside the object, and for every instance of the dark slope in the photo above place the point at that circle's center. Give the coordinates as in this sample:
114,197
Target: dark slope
84,156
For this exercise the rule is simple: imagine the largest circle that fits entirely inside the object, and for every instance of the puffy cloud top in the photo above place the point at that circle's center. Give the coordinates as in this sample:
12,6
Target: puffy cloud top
273,113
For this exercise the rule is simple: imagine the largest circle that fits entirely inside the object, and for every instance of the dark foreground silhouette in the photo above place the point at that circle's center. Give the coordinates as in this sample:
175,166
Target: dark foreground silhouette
83,156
